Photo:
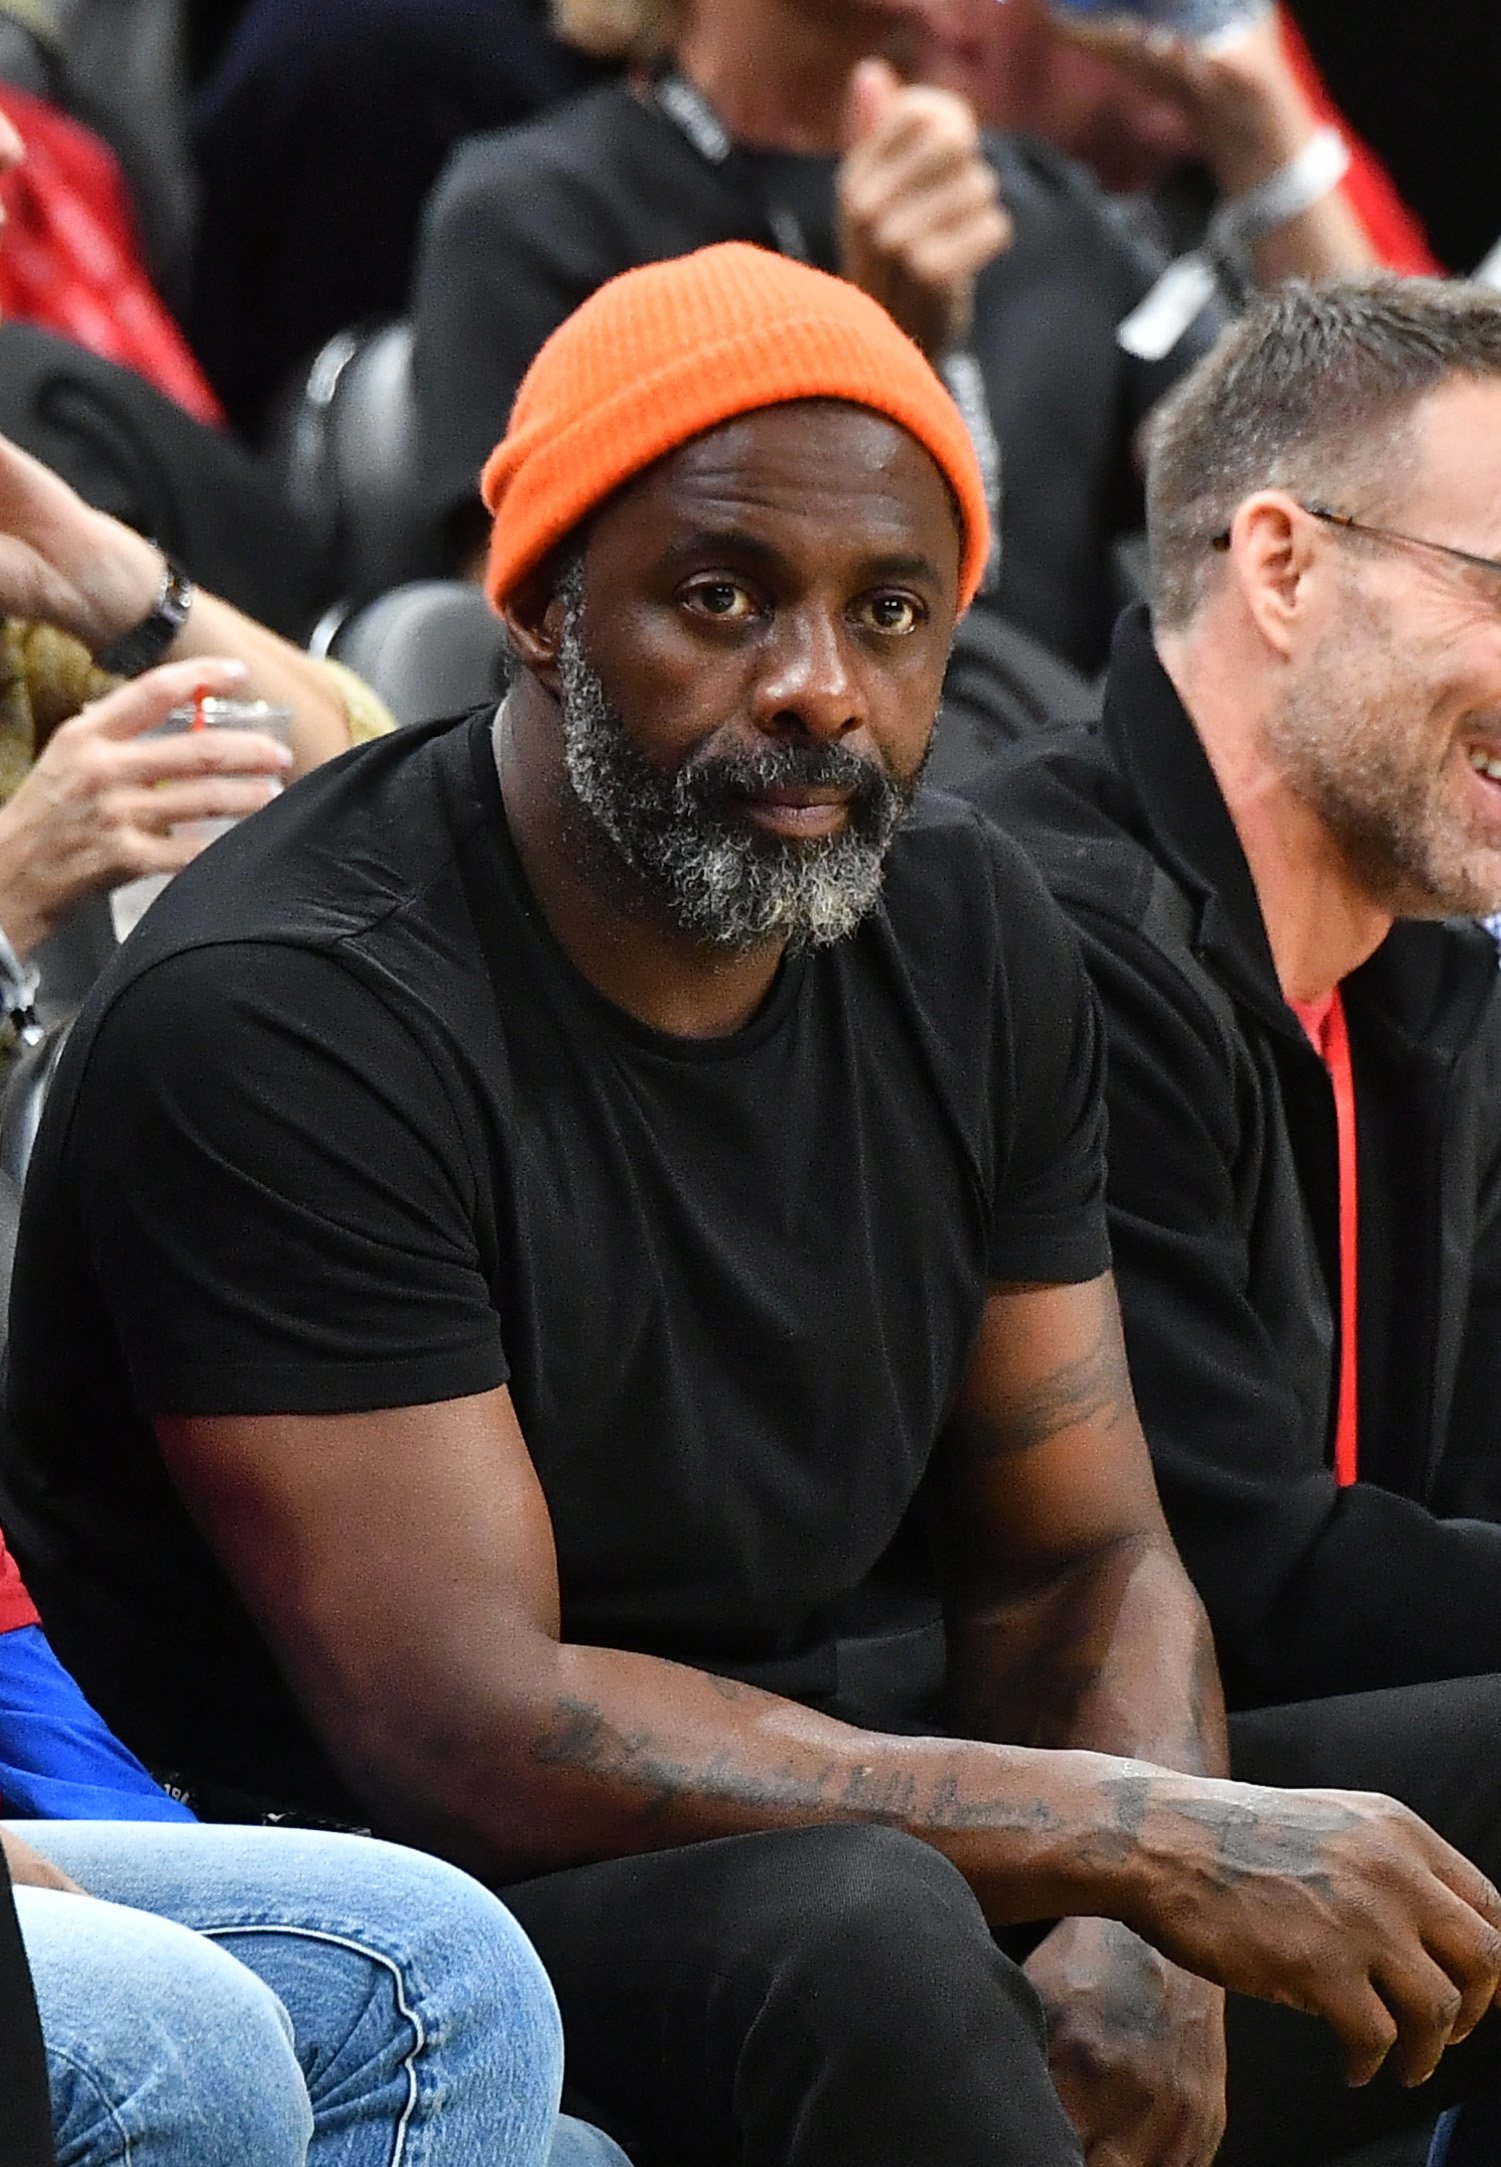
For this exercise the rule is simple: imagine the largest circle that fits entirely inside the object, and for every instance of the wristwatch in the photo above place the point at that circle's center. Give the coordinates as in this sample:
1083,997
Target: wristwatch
146,642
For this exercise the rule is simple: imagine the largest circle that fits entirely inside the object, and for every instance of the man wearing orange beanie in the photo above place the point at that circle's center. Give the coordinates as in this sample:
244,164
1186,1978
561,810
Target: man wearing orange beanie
600,1356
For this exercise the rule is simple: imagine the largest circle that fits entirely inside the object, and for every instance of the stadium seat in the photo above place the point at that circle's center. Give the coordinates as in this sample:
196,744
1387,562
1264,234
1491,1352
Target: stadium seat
21,1104
71,958
434,647
345,442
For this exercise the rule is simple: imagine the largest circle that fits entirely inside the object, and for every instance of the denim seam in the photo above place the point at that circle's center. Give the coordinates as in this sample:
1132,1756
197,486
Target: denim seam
404,2007
86,2073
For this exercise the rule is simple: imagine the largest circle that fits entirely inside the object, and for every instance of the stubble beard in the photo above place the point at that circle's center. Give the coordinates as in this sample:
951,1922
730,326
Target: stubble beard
1349,738
720,880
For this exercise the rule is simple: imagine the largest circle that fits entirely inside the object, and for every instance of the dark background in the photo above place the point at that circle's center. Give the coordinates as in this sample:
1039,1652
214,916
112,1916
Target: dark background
1421,81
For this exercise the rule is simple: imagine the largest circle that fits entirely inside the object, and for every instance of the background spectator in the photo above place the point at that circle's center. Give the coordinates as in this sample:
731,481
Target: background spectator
70,262
1138,112
317,140
124,72
527,223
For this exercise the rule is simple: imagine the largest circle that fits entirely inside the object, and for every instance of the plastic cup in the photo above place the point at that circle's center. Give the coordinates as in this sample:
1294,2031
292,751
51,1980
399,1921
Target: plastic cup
129,903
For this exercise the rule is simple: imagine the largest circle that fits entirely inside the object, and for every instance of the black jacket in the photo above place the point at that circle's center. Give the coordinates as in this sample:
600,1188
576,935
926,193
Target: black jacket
1224,1220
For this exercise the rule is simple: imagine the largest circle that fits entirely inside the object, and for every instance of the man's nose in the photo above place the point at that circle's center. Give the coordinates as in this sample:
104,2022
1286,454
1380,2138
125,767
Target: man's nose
807,685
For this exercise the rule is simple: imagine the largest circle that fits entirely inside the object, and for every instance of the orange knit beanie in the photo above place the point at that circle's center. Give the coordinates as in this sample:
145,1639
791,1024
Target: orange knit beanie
663,353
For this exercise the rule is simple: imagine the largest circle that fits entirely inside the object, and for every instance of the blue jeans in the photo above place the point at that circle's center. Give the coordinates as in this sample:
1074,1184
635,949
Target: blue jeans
280,1997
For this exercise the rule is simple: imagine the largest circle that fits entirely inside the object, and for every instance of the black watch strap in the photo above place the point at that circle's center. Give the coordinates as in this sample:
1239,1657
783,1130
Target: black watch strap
147,642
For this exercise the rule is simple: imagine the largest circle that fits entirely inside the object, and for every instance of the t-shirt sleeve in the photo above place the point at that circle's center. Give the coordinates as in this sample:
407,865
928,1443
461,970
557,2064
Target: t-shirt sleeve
1049,1209
298,1232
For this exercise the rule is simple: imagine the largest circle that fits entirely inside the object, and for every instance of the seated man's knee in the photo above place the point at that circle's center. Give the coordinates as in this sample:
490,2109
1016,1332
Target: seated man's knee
159,2045
867,1913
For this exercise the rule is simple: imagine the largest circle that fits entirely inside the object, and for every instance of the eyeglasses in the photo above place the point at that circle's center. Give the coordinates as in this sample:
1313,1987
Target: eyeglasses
1332,518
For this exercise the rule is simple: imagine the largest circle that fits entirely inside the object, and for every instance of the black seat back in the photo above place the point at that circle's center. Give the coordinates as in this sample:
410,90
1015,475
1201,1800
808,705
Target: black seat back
22,1100
432,648
346,445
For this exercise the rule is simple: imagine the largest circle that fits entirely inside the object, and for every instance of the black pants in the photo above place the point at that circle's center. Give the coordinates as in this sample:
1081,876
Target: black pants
832,1997
25,2109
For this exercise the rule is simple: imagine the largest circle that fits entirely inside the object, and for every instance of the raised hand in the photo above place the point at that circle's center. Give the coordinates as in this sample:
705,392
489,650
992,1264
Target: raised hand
920,213
62,562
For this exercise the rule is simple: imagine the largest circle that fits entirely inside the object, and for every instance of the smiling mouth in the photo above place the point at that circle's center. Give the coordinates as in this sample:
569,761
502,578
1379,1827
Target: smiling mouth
1485,762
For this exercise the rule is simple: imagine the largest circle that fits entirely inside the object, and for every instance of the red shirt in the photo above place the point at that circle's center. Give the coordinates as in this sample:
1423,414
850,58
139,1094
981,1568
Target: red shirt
1324,1022
16,1607
69,260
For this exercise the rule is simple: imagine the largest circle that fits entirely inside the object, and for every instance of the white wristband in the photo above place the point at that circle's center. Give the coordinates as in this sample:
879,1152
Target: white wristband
1305,180
1157,323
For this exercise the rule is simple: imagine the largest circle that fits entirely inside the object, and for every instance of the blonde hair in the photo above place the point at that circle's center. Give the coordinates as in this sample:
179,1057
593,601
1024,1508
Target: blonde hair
616,29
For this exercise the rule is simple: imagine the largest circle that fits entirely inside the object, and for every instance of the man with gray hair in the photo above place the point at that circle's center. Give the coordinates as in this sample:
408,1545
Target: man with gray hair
1296,780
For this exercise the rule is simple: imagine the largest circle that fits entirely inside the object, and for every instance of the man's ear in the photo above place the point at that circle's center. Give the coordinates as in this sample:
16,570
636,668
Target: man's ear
1271,553
533,619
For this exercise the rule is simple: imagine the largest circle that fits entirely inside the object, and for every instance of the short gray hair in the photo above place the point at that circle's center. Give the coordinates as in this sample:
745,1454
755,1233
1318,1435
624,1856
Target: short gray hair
616,29
1314,390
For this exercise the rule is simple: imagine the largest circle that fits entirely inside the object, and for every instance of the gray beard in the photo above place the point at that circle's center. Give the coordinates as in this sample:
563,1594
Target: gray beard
719,879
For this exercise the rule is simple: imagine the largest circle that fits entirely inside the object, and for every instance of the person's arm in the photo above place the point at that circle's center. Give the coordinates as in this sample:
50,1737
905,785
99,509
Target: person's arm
476,1730
1071,1623
1251,117
29,1870
64,563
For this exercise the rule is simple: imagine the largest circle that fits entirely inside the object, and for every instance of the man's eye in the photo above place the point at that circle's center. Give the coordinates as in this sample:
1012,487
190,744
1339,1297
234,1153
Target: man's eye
724,598
893,613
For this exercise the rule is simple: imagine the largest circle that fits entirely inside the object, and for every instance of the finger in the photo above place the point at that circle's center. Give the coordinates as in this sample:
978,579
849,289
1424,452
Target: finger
916,112
943,259
1367,2031
203,752
872,86
885,172
949,206
1140,2145
1466,1880
1461,1940
147,701
134,853
1426,2005
1469,1959
217,797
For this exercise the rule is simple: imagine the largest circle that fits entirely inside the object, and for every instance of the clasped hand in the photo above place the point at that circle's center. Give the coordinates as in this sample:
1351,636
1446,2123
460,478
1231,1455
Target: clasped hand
920,213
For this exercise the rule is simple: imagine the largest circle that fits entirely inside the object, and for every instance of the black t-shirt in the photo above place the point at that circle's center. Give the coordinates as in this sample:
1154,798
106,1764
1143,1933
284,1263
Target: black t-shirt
344,1129
528,222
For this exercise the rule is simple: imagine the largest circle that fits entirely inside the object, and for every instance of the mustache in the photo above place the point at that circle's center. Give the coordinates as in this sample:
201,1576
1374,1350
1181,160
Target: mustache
747,772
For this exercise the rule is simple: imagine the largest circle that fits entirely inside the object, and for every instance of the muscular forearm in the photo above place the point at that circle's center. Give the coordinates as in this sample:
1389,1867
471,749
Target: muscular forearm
597,1753
1117,1657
